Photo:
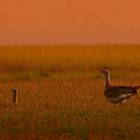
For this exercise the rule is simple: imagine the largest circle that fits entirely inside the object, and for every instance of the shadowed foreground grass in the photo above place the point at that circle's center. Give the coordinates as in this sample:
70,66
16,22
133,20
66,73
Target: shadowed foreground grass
67,109
61,93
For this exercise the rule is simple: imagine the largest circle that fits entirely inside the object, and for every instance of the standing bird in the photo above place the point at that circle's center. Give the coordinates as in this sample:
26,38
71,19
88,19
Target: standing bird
13,103
117,94
15,94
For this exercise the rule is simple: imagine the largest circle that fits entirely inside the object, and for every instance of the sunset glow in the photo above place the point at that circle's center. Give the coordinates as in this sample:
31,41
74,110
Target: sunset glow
69,22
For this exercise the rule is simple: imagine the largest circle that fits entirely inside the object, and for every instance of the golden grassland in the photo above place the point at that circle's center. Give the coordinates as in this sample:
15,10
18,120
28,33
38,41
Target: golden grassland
61,93
68,61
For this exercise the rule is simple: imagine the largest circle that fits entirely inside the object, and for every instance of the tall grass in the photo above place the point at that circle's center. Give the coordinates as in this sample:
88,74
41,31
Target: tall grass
62,61
61,93
74,109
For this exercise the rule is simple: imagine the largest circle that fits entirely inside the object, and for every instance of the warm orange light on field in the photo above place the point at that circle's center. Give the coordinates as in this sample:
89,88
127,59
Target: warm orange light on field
75,21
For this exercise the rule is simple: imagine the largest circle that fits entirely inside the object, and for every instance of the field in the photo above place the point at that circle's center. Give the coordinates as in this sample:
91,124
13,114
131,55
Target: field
61,93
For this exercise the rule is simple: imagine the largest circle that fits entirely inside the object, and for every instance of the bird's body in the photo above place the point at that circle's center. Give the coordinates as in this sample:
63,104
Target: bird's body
117,94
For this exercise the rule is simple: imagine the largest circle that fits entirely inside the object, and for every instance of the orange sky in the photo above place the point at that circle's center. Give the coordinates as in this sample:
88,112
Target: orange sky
69,21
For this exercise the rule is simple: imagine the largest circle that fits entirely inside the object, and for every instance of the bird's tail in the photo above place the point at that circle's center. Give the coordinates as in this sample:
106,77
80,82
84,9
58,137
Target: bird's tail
137,87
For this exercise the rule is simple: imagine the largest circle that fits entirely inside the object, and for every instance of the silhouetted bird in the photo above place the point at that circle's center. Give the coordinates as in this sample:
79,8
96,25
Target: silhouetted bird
15,94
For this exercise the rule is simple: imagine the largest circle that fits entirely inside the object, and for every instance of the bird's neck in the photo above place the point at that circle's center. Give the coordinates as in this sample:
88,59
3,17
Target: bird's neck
107,82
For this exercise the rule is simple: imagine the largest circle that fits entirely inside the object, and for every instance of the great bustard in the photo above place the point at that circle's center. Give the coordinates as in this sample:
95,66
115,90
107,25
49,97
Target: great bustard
117,94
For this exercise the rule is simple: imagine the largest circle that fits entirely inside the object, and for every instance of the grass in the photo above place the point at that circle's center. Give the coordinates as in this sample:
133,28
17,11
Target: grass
59,62
61,93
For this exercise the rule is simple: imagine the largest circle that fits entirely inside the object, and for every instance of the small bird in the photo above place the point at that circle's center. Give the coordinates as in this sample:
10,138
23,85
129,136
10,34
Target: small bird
117,94
15,94
14,101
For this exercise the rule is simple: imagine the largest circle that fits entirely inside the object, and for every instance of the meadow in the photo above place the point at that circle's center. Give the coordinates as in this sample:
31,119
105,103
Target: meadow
61,92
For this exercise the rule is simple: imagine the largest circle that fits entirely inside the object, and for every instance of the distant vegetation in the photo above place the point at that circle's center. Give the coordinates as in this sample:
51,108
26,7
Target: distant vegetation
61,62
61,93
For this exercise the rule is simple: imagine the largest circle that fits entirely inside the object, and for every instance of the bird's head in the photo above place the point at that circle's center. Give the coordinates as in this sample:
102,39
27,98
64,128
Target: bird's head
14,90
105,72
